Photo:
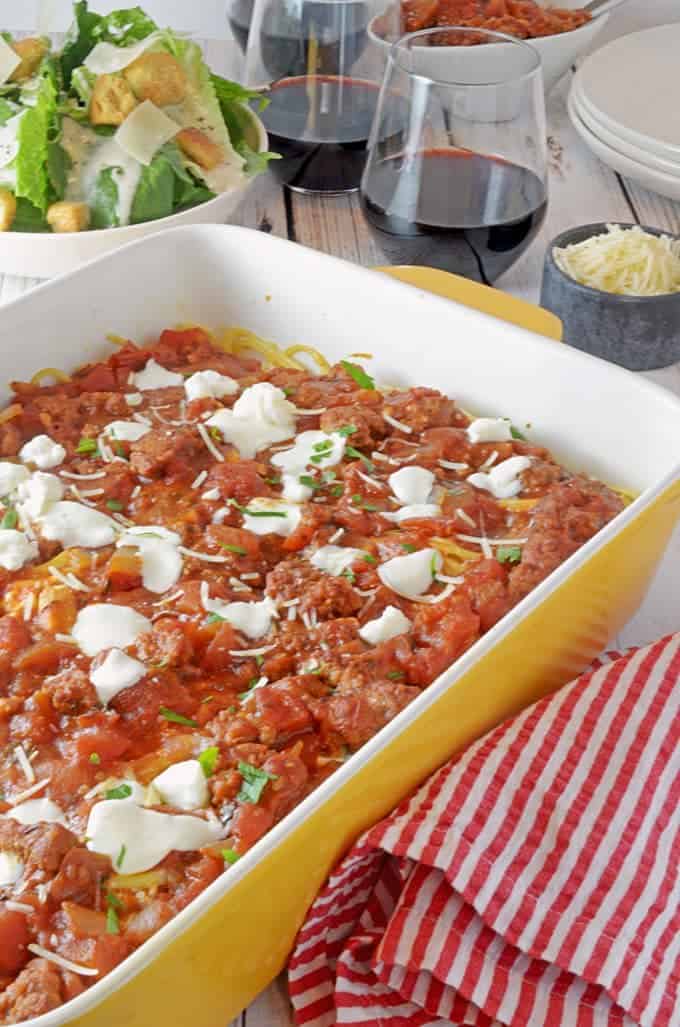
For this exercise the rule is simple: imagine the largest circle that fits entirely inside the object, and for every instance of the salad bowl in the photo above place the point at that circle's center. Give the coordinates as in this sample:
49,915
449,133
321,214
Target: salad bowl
121,132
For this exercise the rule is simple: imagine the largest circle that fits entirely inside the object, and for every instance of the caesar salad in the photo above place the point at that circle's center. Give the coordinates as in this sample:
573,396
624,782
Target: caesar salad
124,124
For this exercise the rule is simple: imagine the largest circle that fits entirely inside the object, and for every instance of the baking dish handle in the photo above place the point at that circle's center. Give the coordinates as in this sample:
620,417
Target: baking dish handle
480,297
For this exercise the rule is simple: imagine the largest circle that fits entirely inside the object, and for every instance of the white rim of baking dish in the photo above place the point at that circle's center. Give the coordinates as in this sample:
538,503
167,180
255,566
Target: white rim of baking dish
183,921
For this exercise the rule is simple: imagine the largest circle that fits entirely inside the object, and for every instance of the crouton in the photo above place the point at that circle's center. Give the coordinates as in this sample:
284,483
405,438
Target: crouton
158,77
200,148
31,52
68,217
112,100
8,210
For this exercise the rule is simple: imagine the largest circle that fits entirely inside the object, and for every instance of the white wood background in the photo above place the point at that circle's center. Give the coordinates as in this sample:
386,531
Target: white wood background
581,190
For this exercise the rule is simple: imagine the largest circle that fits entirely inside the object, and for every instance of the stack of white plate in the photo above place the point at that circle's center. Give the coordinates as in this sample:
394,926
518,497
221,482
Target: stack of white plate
625,105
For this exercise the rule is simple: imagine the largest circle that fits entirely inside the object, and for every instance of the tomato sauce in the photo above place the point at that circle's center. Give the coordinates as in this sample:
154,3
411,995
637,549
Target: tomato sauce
268,716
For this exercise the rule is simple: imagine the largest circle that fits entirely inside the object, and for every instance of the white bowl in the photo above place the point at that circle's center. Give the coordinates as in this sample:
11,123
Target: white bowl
44,254
557,53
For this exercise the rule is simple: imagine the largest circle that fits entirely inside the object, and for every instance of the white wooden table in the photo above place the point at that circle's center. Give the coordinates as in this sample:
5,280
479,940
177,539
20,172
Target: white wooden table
581,190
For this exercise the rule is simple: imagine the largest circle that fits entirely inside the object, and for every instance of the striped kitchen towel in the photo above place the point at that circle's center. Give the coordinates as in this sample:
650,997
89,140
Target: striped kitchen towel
534,881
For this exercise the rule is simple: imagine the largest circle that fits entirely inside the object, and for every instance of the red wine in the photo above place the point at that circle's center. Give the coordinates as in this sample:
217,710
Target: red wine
454,209
320,125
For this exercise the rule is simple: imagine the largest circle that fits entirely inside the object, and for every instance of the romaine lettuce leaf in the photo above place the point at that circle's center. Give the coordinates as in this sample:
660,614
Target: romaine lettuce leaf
28,218
58,167
104,200
7,111
255,162
120,27
166,186
238,118
37,129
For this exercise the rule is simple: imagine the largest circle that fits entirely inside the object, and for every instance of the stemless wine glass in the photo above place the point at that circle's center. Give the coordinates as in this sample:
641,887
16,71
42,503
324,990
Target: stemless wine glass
314,62
456,172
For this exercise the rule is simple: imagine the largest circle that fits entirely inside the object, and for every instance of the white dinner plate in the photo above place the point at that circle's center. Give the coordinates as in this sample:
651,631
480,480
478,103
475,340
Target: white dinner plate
656,181
632,85
609,138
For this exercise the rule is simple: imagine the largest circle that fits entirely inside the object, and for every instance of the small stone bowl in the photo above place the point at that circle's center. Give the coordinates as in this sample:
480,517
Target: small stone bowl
637,332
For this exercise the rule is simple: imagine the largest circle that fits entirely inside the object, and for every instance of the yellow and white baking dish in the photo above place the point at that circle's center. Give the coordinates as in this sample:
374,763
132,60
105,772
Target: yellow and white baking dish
210,961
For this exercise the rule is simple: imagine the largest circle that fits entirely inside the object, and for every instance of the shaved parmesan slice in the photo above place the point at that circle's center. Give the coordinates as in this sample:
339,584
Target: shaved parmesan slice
416,511
37,494
11,475
9,60
107,58
412,484
144,131
153,376
413,574
75,525
261,416
252,619
210,385
107,626
318,448
489,429
137,839
116,672
15,549
126,431
42,451
275,524
389,624
161,561
11,869
336,560
37,811
183,785
503,480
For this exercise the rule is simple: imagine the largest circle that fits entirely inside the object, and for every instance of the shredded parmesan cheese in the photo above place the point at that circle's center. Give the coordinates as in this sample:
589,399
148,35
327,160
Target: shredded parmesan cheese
65,964
24,763
209,444
624,261
397,424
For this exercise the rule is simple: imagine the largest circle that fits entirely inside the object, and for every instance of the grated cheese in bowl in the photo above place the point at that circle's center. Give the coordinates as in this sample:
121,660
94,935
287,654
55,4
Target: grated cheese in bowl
625,261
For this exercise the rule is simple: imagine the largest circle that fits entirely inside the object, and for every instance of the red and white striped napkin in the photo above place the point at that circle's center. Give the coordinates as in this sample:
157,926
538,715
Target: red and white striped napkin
534,881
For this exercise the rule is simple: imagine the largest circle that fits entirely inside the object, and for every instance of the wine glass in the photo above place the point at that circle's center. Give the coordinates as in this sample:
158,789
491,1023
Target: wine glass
314,62
456,173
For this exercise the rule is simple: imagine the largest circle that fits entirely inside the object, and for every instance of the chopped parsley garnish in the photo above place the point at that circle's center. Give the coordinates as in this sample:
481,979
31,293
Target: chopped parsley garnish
259,660
273,481
176,718
254,782
121,856
369,558
329,475
208,759
347,429
95,758
516,433
251,686
114,504
9,519
355,371
349,574
395,674
262,513
359,501
433,565
214,618
230,855
119,448
287,391
112,923
409,547
215,434
351,451
87,446
119,792
323,447
337,490
238,550
309,482
508,554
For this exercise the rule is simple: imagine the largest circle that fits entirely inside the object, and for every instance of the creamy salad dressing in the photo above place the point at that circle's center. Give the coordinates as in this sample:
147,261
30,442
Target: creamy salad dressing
91,154
9,146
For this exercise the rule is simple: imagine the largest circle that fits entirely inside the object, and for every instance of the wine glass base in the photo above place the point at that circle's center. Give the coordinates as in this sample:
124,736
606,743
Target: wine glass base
323,192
